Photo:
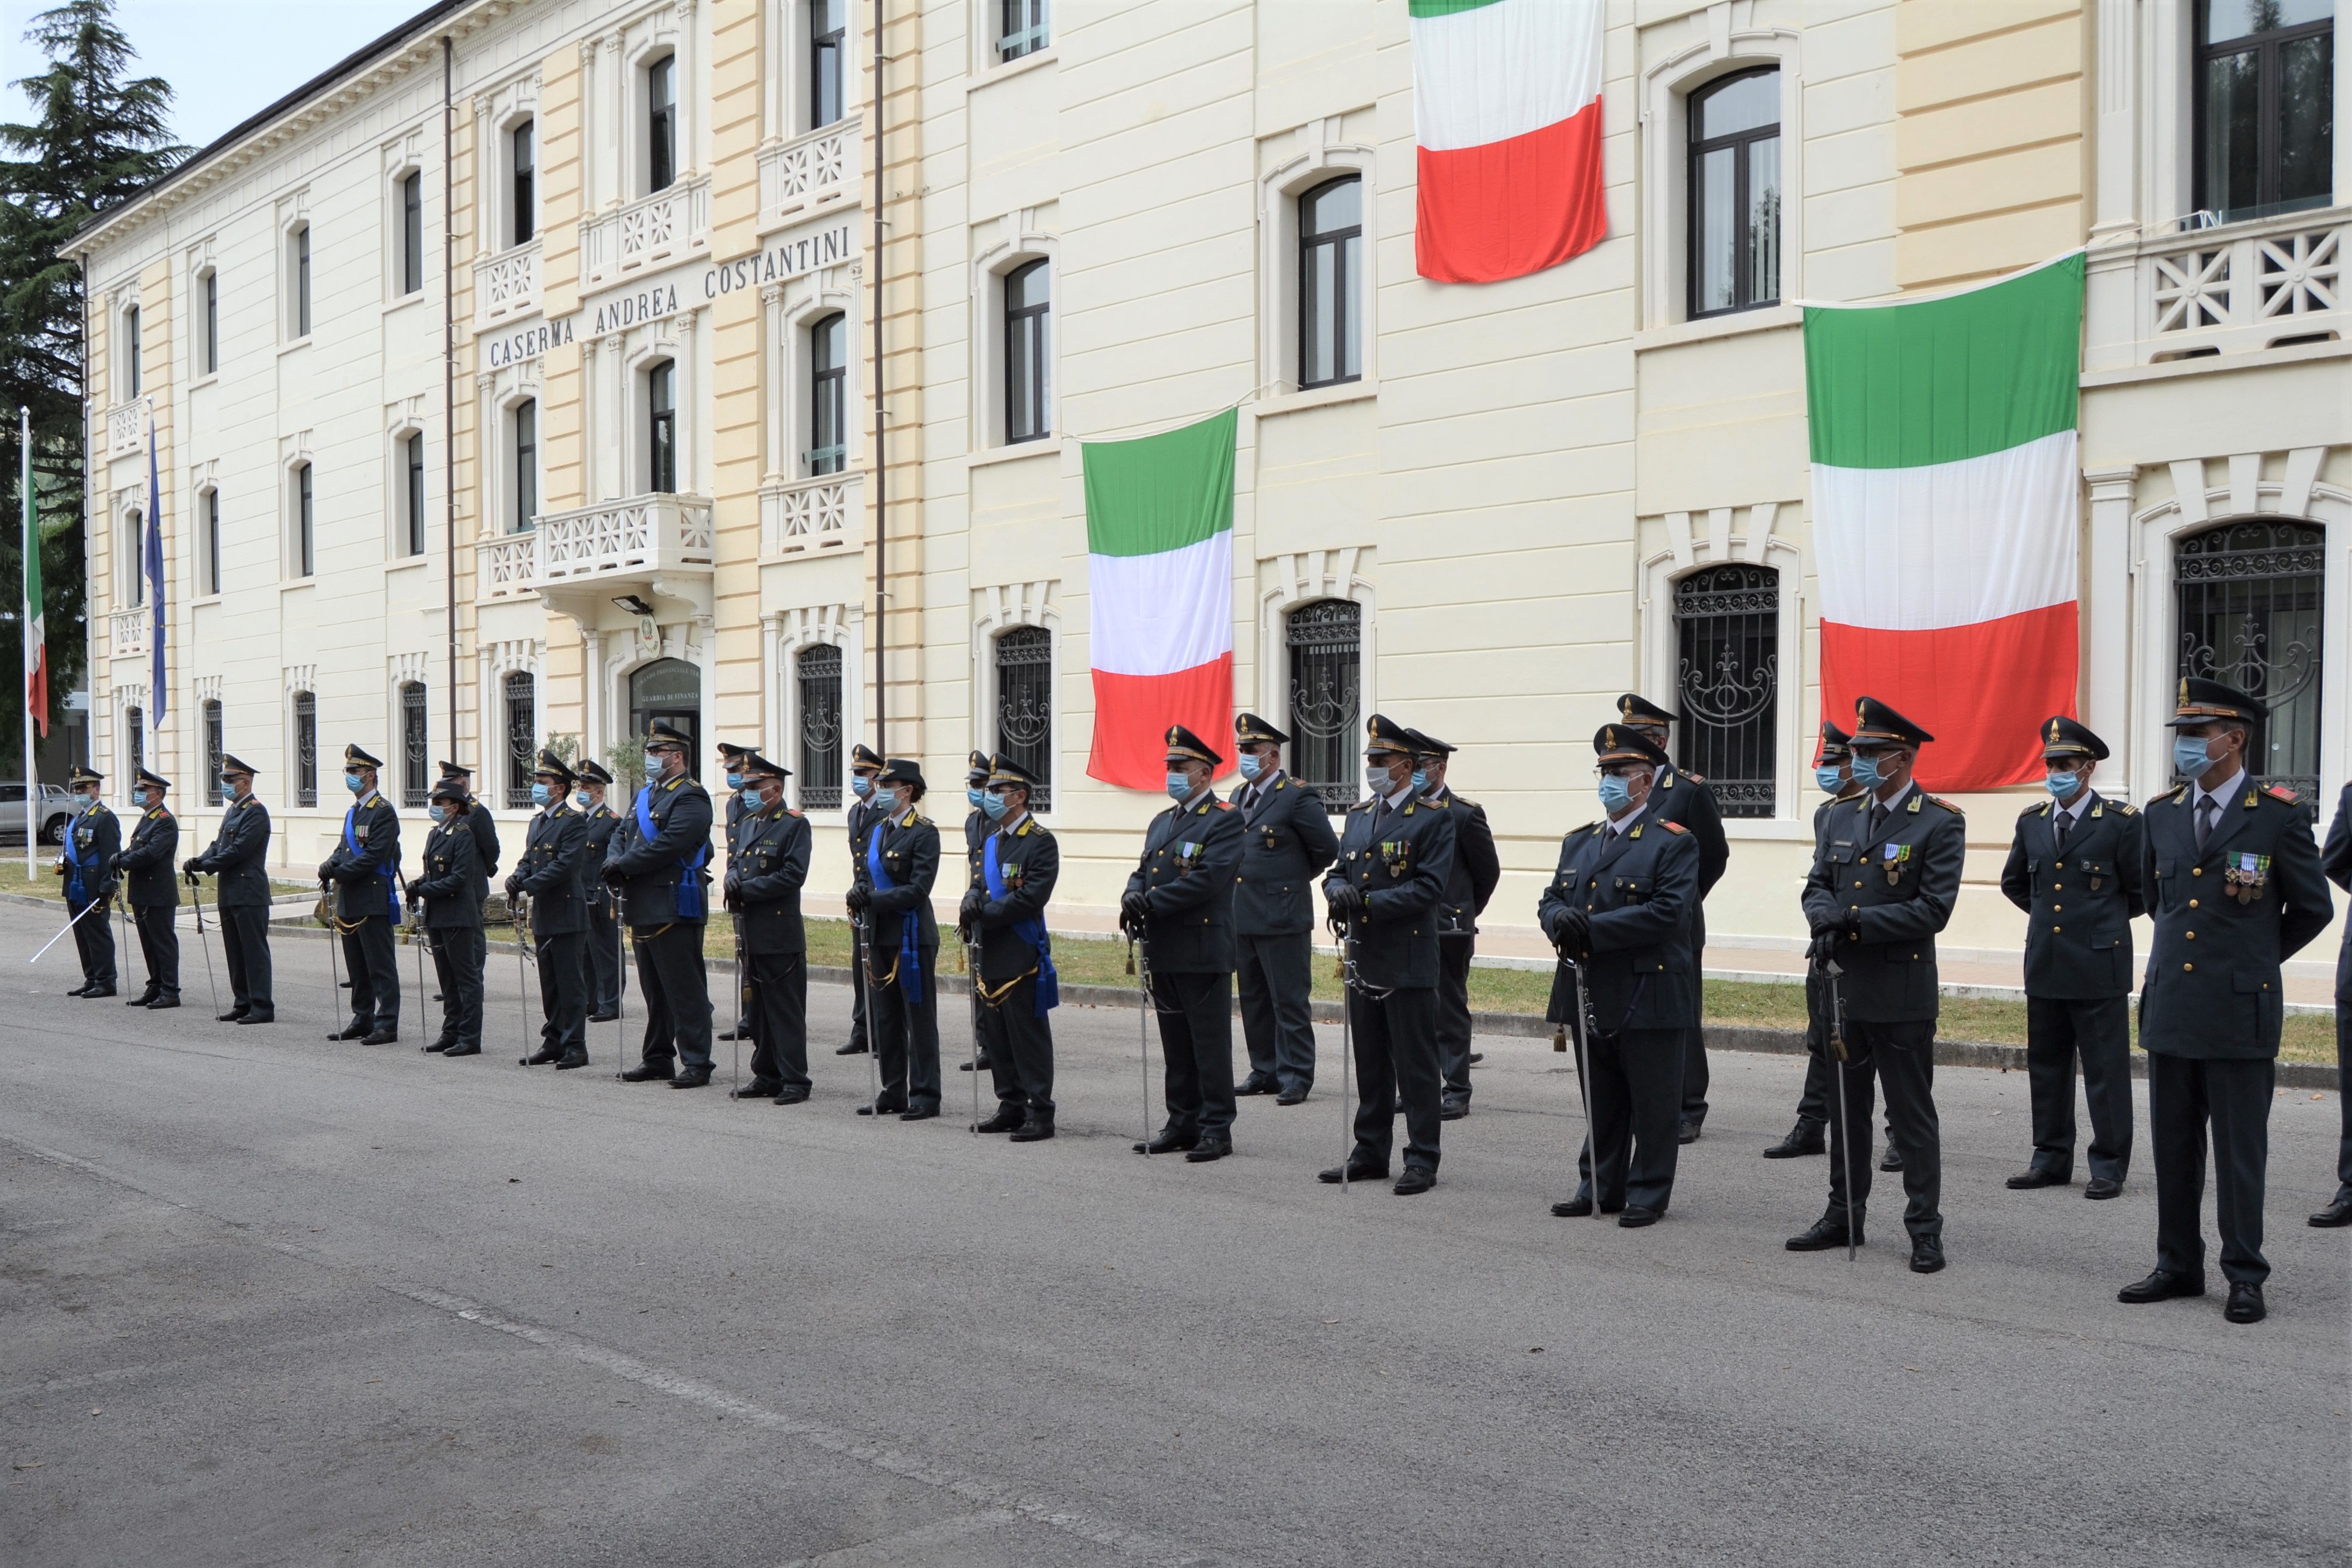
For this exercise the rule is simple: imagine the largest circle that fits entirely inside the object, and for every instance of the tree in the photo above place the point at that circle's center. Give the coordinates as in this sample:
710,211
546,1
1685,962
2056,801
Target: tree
98,137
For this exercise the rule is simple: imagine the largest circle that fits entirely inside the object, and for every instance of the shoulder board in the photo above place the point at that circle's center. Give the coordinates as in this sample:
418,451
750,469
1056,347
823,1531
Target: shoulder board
922,821
2039,808
1694,778
2119,807
791,811
1576,831
1434,805
2280,792
460,826
1463,800
1672,826
1946,804
1361,806
1227,805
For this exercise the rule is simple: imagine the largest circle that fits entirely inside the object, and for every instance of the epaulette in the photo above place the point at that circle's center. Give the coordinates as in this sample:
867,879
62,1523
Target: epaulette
791,811
2280,792
1227,805
2122,808
1434,805
1363,805
2176,795
1672,826
1694,778
2041,806
1463,800
1587,827
1948,805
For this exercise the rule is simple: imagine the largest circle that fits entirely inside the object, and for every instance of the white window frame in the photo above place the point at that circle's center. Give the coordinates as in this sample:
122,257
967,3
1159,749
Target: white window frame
1317,157
785,102
637,114
129,534
1666,87
1288,583
788,633
204,495
985,29
509,204
396,463
289,490
1000,609
130,350
203,271
299,290
1018,247
507,512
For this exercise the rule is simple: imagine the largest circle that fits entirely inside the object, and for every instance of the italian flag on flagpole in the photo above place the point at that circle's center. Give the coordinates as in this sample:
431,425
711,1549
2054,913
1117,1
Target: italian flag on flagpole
1507,113
1159,576
1946,511
37,628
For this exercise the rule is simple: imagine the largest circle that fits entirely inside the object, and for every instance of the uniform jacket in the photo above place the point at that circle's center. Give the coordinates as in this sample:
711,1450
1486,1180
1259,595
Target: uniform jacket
648,871
486,845
1287,844
764,875
452,871
1903,880
150,858
976,830
1186,877
1816,998
96,835
237,856
2078,943
1688,799
1399,865
1640,890
860,816
2336,860
600,819
361,887
1030,863
552,869
1476,869
909,844
2213,987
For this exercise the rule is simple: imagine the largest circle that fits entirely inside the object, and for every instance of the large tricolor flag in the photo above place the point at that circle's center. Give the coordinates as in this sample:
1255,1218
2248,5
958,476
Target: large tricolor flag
37,625
1945,514
1159,573
1506,111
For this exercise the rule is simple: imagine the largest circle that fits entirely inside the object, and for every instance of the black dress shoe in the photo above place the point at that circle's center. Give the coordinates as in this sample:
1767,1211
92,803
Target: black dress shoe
1687,1132
142,999
1291,1097
436,1047
692,1078
162,1003
462,1048
1635,1217
1452,1107
100,991
1357,1171
1008,1118
981,1065
1891,1160
1804,1138
1825,1233
2037,1177
732,1035
1577,1207
649,1072
755,1089
603,1018
573,1059
388,1037
356,1031
1414,1180
1035,1130
882,1108
1215,1148
1257,1083
546,1056
80,990
258,1018
2101,1187
2245,1305
1927,1254
1168,1140
854,1048
234,1016
2334,1215
793,1096
919,1113
2160,1287
1475,1058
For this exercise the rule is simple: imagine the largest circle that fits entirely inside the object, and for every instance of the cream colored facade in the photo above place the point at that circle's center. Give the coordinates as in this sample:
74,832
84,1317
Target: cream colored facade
1509,493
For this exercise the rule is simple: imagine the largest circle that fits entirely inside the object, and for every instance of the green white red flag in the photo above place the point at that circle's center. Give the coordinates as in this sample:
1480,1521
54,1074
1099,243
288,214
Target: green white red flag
37,628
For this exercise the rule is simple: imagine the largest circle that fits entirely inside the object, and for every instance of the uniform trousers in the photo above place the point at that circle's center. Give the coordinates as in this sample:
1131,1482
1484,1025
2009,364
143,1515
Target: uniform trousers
1694,1073
676,989
94,944
1453,956
778,1008
1637,1097
1814,1099
245,941
2343,1096
159,945
1901,1056
2185,1096
374,961
1277,1023
905,1033
1196,1045
1020,1047
461,984
857,1031
1396,1059
603,954
2100,1032
563,991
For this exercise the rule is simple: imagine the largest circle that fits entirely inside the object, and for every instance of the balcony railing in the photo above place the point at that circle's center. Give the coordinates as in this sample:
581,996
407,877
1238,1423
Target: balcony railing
126,428
804,517
508,564
2243,288
649,232
811,169
130,629
506,287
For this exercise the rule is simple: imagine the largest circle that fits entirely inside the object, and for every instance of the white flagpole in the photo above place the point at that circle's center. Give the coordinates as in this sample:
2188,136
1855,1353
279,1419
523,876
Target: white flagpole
24,695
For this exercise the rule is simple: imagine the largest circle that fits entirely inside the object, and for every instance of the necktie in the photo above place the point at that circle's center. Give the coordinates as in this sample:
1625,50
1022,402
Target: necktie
2207,809
2065,827
1877,820
1249,798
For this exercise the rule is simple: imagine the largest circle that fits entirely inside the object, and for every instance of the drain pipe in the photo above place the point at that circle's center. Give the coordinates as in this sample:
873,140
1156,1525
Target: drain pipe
449,361
881,438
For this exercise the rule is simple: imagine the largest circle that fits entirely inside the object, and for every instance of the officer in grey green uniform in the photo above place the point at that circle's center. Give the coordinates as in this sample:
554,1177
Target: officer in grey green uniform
1287,844
153,891
451,916
730,759
1834,774
892,893
658,860
93,836
362,871
864,765
551,873
976,830
603,944
238,856
1003,917
485,831
1477,870
765,872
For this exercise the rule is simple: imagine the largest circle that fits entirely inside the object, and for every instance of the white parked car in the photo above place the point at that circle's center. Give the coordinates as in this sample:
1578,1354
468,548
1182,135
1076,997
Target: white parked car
56,806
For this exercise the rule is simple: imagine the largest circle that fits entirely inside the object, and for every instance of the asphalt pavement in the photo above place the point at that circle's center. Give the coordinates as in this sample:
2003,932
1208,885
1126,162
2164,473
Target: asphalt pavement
268,1299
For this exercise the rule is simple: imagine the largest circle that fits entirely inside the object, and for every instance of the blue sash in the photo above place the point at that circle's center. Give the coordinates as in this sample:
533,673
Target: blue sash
352,843
689,902
1031,931
74,888
910,925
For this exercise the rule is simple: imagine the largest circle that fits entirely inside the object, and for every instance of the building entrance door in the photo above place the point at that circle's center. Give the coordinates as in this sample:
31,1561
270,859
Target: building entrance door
669,690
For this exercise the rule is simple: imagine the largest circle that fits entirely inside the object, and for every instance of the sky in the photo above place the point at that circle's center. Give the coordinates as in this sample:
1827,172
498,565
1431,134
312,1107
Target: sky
224,58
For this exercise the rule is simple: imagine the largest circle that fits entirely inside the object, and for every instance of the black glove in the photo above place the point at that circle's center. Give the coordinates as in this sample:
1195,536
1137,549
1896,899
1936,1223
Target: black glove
1347,901
1572,929
513,886
188,871
858,897
326,873
612,876
1825,944
967,912
734,883
1134,908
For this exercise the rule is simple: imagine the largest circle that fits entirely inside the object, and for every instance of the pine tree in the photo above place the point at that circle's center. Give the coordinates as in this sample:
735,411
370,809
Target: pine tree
98,137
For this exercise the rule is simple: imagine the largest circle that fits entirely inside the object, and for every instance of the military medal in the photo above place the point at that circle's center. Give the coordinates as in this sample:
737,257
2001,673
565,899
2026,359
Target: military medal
2244,877
1897,854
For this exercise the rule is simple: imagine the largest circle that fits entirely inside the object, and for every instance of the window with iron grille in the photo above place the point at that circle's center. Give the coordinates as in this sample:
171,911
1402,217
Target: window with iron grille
1727,630
828,23
1024,705
1326,640
1028,329
2265,107
414,788
523,739
817,672
135,723
215,753
306,749
2251,596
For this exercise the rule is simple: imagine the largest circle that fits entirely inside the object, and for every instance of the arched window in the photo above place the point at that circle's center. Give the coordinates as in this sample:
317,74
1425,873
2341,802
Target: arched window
1024,705
661,124
523,737
522,177
1028,320
817,673
134,739
829,361
670,690
215,753
1735,193
1325,643
306,749
828,23
2249,595
661,427
414,792
1331,283
1728,632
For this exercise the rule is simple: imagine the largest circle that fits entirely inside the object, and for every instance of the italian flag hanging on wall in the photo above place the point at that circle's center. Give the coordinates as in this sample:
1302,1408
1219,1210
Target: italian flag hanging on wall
1159,575
1506,111
1945,515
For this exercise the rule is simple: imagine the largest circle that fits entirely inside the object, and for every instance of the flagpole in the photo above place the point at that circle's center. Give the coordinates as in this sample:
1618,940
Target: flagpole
32,543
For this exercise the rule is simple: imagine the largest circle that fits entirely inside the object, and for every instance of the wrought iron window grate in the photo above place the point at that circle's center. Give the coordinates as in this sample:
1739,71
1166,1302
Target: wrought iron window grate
1727,631
522,731
216,754
818,671
414,789
2249,595
1326,640
1024,705
306,749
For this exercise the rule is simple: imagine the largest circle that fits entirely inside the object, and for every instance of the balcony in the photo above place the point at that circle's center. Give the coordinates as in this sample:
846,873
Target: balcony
130,629
808,172
2229,290
507,563
810,517
126,428
617,545
506,285
649,232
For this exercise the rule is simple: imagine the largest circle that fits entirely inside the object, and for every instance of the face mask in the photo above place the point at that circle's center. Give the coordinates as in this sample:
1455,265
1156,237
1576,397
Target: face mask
1828,776
583,800
976,795
353,783
734,780
653,764
1616,793
2189,756
753,799
1419,779
884,801
229,784
2063,785
1866,771
1179,787
1251,766
994,806
139,798
540,794
860,786
1378,780
440,813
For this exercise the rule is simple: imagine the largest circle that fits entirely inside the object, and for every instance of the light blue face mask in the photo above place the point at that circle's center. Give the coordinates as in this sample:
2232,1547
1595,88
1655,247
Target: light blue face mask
653,764
753,800
860,786
1377,779
1251,766
2190,756
734,780
1179,787
1420,779
440,813
884,801
353,783
1865,771
1616,793
2062,784
540,793
583,800
1831,777
994,806
976,795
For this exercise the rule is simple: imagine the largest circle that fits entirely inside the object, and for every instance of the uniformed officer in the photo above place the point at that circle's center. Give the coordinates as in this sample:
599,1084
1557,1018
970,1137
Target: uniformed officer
93,837
657,860
2233,883
1003,920
1620,908
238,857
730,761
152,888
1179,906
1395,856
1287,845
486,852
1682,796
892,893
2075,869
976,830
360,872
604,944
551,873
2336,860
1834,774
864,765
452,915
1882,886
764,875
1476,870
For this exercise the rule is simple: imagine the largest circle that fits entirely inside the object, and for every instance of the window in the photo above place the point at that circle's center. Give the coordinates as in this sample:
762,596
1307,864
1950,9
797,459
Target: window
525,421
1024,29
1028,342
1727,633
828,396
131,353
827,25
412,493
412,231
1331,283
817,670
523,182
305,531
215,753
1024,705
306,749
210,564
1326,640
1735,193
661,124
2249,595
522,739
299,268
669,690
661,428
413,745
2265,111
134,545
134,725
208,326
